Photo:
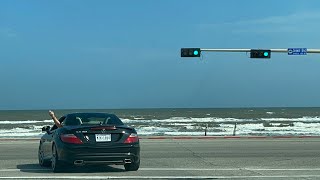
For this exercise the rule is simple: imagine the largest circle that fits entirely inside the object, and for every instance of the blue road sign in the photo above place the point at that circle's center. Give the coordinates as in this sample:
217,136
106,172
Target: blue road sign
297,51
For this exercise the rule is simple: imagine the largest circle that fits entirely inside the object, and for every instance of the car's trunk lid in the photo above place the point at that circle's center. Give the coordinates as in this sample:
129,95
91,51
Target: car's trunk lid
102,134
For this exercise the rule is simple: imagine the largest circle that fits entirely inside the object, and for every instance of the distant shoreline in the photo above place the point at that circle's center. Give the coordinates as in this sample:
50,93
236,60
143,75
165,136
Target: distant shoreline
182,122
185,137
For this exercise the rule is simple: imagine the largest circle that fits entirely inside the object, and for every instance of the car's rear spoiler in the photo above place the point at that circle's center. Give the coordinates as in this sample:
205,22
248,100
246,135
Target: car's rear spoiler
97,127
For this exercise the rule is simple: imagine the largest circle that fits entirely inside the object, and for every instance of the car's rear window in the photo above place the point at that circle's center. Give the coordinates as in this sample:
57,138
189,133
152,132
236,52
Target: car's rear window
91,119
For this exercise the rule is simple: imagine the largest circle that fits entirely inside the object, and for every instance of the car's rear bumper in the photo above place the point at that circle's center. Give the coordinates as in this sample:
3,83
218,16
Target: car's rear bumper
114,158
79,155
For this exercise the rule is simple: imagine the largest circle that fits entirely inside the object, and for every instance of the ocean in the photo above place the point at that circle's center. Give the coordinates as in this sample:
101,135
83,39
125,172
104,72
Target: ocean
180,122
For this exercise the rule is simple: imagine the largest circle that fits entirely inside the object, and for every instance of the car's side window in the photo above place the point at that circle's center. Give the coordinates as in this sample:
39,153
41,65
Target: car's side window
61,120
54,127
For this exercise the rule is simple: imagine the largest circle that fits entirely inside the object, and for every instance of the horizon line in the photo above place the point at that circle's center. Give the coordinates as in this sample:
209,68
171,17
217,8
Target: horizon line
139,108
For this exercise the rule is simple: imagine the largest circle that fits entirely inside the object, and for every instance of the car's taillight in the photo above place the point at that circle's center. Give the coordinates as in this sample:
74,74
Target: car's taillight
70,138
132,139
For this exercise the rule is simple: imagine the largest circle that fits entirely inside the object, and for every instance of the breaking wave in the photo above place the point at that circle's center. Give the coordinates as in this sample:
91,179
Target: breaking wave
182,126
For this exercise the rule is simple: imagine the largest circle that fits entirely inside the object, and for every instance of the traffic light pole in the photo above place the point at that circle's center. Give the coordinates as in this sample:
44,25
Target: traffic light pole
248,50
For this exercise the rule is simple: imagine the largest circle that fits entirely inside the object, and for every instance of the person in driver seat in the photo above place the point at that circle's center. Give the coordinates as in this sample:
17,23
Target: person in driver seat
54,118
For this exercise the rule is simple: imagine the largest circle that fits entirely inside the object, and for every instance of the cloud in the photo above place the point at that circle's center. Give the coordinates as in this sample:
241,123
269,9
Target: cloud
301,22
7,33
294,18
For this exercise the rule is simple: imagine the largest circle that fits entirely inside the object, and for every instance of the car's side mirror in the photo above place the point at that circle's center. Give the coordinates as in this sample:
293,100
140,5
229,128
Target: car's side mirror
45,128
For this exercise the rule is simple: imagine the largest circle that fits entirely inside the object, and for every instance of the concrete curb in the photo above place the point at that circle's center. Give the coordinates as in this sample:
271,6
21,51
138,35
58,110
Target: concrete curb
225,137
187,137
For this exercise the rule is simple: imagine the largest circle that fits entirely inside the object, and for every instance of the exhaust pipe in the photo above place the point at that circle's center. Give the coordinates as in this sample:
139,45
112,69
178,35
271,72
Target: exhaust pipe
78,162
127,161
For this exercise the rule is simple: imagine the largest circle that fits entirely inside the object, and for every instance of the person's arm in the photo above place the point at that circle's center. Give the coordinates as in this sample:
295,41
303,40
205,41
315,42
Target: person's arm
55,120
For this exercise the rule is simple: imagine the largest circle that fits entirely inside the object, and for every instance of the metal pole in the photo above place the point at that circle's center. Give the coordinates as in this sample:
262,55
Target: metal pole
227,50
205,130
248,50
234,130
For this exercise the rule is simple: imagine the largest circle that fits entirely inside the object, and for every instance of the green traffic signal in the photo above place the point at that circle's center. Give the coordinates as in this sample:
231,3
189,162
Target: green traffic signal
260,53
190,52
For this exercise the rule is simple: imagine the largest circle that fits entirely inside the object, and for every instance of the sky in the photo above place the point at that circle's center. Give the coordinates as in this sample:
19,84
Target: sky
126,54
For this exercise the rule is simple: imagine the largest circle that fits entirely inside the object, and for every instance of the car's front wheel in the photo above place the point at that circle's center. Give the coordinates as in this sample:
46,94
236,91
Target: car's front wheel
42,161
56,164
134,166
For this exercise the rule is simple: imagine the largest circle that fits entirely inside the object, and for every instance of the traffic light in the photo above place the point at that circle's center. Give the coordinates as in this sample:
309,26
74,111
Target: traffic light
190,52
260,53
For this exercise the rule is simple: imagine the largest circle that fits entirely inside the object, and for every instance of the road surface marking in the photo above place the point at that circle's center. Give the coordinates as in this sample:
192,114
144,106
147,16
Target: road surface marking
187,169
157,177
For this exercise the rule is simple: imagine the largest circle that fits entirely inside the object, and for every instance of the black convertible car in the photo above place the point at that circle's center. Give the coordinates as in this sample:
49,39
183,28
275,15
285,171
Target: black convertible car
89,138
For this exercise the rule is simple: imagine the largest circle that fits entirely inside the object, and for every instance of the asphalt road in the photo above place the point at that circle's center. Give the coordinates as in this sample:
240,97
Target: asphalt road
183,159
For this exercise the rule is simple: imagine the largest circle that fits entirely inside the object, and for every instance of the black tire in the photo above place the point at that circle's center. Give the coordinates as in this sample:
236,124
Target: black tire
56,164
132,166
42,162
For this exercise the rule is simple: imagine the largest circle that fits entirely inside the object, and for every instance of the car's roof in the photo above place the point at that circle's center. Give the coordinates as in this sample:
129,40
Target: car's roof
88,113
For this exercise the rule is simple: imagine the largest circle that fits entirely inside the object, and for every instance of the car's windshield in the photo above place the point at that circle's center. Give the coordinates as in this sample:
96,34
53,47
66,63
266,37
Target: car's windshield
91,119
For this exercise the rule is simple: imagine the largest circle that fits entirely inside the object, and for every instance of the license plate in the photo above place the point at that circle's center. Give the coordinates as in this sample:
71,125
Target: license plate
103,137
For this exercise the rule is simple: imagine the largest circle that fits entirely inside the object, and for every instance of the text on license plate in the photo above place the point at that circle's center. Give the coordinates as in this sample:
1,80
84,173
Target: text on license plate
103,137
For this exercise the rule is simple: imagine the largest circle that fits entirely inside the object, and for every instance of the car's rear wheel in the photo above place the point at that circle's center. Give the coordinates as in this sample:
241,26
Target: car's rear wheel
56,164
42,162
134,166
